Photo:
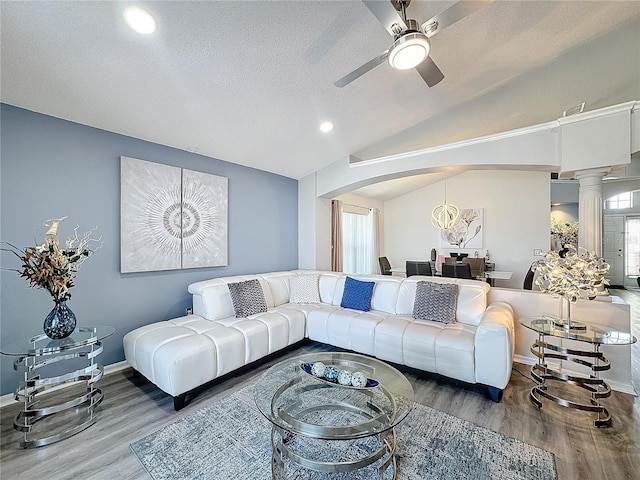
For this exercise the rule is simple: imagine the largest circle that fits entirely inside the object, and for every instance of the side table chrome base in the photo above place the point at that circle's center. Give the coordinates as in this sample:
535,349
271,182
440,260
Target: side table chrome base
598,388
25,421
80,409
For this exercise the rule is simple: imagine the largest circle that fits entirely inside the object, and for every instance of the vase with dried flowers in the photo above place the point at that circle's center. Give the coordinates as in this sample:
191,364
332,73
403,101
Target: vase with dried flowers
572,273
53,267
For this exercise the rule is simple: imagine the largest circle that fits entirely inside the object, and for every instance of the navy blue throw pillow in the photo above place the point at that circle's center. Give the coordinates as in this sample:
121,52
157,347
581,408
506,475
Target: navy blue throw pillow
357,294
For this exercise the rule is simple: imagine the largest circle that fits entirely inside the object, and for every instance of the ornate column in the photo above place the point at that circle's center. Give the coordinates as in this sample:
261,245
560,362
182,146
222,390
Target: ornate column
590,207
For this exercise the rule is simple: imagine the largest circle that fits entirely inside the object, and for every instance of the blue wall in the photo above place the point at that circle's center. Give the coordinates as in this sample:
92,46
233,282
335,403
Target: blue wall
51,168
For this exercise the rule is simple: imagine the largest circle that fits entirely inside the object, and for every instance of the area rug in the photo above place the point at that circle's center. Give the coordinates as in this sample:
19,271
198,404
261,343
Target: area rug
230,439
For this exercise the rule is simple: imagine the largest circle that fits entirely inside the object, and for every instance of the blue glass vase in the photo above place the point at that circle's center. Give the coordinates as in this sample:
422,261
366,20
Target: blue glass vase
61,322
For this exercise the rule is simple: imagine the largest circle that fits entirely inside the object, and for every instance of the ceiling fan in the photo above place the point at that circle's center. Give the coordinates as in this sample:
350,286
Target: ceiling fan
411,44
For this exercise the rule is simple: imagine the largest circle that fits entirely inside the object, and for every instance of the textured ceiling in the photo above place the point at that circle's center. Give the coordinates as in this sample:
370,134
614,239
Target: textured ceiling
249,82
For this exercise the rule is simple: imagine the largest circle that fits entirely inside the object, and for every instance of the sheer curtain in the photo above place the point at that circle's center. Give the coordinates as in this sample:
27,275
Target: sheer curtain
377,240
632,247
336,236
360,240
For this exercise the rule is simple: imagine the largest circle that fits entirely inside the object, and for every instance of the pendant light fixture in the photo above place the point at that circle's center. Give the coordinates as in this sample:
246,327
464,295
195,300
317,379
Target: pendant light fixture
446,215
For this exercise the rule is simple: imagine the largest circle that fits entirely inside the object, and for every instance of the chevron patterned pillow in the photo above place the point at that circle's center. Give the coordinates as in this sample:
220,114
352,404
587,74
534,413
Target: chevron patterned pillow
304,288
436,302
247,297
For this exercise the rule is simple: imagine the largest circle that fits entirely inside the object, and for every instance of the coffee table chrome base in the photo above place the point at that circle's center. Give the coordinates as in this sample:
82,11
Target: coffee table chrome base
283,441
283,451
598,388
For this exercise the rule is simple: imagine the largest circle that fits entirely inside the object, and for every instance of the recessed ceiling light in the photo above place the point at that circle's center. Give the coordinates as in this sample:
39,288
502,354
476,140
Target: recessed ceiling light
140,20
326,127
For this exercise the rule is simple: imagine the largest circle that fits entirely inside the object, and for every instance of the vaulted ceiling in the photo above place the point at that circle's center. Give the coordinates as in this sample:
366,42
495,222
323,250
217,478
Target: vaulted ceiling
250,82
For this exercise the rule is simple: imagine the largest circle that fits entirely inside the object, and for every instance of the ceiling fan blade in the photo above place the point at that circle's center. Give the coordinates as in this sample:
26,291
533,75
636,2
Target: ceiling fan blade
386,14
358,72
451,15
430,72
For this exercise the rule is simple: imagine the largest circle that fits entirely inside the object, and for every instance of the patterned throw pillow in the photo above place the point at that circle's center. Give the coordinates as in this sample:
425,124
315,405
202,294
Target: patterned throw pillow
357,294
304,289
436,302
247,297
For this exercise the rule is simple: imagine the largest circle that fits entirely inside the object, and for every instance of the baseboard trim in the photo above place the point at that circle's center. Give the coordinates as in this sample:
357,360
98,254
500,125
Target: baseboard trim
621,387
9,398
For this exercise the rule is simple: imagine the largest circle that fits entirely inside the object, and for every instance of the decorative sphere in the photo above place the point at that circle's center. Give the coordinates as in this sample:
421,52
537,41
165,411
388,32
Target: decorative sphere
358,380
317,369
344,377
331,373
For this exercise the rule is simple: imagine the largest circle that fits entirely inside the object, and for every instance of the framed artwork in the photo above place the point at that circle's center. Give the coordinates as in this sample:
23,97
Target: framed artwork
467,233
171,218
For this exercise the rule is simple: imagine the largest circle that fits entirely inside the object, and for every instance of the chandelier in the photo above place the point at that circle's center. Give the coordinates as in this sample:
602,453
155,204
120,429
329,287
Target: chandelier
446,215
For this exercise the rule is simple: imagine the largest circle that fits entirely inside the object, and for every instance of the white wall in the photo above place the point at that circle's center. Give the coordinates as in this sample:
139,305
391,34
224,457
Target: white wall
307,200
596,139
516,218
314,226
566,213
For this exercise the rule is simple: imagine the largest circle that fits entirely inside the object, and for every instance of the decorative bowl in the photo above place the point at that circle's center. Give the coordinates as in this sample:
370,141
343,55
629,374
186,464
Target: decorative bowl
333,380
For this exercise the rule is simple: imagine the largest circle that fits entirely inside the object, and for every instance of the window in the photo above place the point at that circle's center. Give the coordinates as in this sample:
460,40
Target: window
624,200
632,247
358,240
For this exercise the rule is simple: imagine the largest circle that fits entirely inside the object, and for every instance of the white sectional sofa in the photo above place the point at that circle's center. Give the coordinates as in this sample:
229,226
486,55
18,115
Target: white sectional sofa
182,354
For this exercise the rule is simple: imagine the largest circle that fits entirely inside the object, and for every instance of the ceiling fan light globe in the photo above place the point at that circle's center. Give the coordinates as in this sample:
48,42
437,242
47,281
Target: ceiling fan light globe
409,51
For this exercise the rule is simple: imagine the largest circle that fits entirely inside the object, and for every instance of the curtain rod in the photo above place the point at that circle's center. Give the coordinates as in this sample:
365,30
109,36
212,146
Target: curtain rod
356,206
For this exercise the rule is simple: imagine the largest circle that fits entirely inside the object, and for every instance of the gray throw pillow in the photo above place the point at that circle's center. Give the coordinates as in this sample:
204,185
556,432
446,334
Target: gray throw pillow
436,302
247,297
304,289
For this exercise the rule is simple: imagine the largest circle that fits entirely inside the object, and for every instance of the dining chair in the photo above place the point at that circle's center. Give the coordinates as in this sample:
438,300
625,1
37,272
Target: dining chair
385,266
456,270
528,278
477,266
418,268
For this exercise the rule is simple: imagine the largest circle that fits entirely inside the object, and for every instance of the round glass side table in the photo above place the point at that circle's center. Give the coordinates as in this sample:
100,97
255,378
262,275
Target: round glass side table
46,364
541,372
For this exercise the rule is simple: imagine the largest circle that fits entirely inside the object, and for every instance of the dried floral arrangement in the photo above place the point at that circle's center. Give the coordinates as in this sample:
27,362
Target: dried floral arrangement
572,273
565,233
52,267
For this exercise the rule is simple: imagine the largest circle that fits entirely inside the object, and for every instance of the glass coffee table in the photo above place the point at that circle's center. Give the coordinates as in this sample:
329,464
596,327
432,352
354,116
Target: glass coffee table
320,425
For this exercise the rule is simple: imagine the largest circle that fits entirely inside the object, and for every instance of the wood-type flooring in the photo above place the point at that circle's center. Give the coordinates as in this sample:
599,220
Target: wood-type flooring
133,408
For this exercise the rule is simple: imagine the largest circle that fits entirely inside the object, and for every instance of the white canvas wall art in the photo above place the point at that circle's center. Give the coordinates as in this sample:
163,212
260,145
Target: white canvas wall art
467,233
171,218
204,220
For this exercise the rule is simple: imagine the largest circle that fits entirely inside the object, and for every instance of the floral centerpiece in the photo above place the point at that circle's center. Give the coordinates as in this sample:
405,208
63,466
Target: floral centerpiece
564,233
53,267
572,273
